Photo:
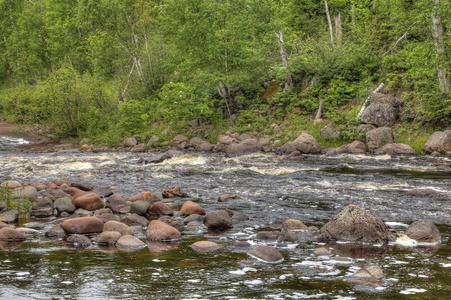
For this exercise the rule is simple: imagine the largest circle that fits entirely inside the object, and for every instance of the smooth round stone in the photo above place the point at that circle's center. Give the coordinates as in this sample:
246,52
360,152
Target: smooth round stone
205,246
130,242
267,254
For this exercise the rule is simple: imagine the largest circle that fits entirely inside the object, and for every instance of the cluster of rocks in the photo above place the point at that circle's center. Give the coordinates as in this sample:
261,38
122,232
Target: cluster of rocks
107,219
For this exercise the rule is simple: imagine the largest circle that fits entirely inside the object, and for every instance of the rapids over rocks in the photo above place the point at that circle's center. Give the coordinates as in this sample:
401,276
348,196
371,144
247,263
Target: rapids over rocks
272,189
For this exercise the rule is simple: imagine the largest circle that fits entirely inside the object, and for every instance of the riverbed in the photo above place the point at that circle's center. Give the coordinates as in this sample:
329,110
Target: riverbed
273,189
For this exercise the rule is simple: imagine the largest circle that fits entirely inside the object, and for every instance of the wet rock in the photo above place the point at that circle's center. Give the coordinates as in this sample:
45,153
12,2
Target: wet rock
134,220
89,202
194,224
379,137
205,246
64,205
80,212
247,146
130,242
174,192
42,212
242,245
56,232
228,197
160,231
267,254
118,227
355,224
160,209
174,222
44,202
78,241
102,192
288,236
11,184
9,234
140,207
27,192
330,132
162,157
190,208
193,217
370,274
438,143
422,193
130,142
116,202
396,149
237,216
145,196
356,147
293,224
322,252
424,231
10,216
84,186
304,143
28,231
268,235
82,225
219,220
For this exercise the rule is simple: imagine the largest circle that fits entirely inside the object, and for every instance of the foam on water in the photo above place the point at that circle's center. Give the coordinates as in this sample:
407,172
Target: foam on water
412,291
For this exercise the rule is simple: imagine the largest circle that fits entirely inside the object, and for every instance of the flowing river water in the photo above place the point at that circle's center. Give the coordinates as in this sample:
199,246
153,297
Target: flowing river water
312,189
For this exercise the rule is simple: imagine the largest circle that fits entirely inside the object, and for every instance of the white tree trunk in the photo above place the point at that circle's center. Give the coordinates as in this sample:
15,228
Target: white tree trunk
379,88
284,56
329,22
438,32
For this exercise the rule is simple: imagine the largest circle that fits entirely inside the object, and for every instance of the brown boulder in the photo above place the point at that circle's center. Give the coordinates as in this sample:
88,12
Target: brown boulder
438,143
356,147
108,238
89,202
130,242
160,209
379,137
179,142
424,231
245,147
72,190
267,254
304,144
160,231
78,195
191,208
9,234
219,220
82,225
396,149
145,196
173,192
356,225
293,224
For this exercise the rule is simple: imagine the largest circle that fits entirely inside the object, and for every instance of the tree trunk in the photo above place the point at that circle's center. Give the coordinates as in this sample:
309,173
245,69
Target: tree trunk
438,32
284,56
329,22
320,110
338,28
379,88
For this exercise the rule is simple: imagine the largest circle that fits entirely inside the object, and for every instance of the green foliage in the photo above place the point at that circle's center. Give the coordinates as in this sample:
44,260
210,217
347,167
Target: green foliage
21,205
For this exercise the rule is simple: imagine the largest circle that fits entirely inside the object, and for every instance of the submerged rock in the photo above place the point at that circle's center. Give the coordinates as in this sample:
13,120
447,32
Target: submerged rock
228,197
268,235
356,225
267,254
370,274
293,224
422,193
424,231
205,246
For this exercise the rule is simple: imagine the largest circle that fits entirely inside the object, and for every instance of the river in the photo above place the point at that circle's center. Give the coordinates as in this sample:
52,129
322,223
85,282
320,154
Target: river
312,189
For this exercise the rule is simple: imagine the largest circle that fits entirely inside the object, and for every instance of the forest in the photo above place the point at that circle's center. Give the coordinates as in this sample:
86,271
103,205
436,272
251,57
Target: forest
102,70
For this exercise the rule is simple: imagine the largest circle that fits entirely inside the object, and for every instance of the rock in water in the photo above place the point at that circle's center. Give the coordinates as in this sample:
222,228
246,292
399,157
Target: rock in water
11,235
245,147
205,246
108,238
379,137
396,149
160,231
145,196
78,241
370,274
130,242
356,225
118,227
83,225
267,254
218,220
424,231
191,208
89,202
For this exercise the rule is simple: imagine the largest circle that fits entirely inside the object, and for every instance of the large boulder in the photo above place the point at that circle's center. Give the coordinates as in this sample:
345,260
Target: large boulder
130,142
145,196
9,216
160,231
191,208
180,142
117,203
218,220
244,147
56,231
12,235
382,111
108,238
177,223
304,143
140,207
356,225
64,205
82,225
160,209
438,143
356,147
396,149
89,202
267,254
27,192
379,137
117,226
424,231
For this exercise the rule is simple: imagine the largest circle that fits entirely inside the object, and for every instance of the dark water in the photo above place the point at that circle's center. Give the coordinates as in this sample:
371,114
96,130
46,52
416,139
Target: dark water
313,190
